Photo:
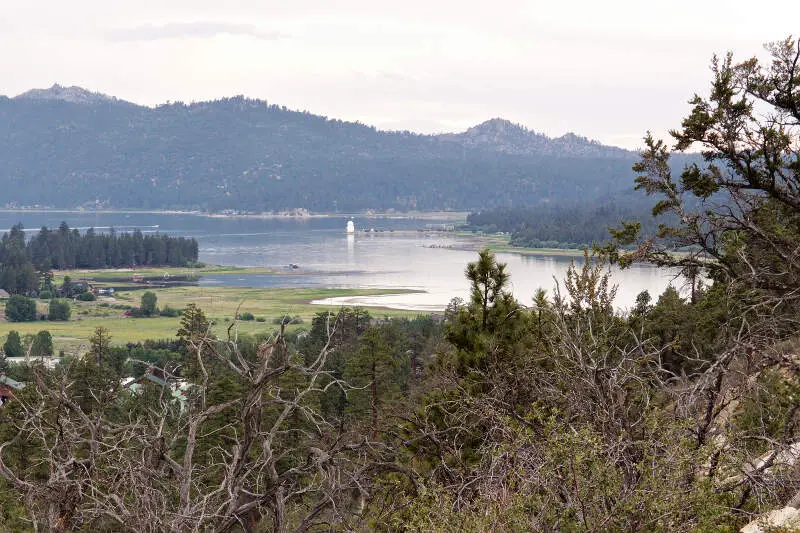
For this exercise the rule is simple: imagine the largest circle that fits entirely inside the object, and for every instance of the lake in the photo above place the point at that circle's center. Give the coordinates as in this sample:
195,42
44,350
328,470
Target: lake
397,255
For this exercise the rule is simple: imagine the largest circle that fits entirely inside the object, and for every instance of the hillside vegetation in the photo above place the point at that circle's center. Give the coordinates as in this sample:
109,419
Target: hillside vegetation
67,147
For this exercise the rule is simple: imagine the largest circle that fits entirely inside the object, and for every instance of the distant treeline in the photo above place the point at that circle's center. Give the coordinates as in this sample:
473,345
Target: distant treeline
576,226
21,260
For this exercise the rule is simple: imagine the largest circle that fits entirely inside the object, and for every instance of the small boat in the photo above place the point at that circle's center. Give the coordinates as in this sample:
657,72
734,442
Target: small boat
351,228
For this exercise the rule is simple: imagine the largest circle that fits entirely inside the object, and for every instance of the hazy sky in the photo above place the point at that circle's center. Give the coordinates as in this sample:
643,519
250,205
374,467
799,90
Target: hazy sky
608,69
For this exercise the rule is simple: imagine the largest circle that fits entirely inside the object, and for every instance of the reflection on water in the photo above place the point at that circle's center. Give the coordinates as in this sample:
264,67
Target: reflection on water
395,256
351,245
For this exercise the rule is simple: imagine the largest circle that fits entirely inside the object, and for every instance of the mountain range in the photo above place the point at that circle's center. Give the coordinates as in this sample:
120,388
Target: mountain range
70,147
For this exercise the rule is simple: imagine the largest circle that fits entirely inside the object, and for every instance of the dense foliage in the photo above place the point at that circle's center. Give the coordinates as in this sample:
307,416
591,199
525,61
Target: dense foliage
21,261
12,347
503,417
576,225
58,310
244,154
20,309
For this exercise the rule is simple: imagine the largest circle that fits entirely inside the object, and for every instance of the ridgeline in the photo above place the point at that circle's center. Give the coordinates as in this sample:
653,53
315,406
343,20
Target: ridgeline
68,147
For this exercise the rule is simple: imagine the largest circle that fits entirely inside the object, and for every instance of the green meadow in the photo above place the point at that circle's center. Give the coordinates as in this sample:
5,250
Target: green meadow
221,305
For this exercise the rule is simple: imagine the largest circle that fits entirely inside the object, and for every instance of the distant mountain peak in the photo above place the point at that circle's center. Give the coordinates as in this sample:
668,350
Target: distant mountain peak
502,135
498,123
74,95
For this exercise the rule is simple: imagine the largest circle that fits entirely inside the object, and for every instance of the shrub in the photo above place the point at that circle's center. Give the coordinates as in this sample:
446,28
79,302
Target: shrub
148,304
20,309
45,295
87,297
59,310
170,312
247,316
261,319
286,320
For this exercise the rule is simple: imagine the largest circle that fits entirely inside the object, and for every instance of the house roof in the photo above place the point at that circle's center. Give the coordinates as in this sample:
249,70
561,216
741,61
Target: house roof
4,294
156,379
133,383
13,383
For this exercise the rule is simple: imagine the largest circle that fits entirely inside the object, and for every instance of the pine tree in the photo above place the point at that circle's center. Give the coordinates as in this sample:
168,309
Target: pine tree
371,370
67,288
13,345
42,345
488,279
100,345
193,323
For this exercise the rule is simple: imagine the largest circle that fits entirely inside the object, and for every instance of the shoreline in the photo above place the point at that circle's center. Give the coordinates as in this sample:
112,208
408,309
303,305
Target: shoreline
422,215
500,244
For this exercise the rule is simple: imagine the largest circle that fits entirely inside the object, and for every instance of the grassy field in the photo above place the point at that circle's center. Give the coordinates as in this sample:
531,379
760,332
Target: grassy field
219,303
126,273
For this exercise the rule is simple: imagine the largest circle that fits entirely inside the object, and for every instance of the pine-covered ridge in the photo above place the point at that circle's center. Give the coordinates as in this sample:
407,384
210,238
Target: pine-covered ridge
68,147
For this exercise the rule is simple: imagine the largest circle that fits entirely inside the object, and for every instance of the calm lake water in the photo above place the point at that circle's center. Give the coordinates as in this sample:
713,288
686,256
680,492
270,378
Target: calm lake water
395,256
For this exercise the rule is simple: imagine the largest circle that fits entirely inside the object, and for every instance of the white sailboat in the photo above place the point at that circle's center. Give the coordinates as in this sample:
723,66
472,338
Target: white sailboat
351,228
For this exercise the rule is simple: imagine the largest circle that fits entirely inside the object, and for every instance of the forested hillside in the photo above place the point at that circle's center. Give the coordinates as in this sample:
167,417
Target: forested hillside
67,147
569,225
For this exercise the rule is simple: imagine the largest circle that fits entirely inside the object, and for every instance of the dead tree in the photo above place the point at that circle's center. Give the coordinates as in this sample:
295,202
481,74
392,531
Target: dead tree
95,466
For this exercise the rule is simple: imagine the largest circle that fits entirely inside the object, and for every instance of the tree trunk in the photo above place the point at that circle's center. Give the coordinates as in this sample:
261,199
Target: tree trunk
374,401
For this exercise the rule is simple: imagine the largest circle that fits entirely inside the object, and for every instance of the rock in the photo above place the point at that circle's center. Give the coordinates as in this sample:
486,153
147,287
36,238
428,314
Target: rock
788,517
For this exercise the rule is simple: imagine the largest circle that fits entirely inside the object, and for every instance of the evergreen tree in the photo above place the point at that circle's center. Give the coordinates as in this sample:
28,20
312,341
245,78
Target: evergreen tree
148,304
100,345
13,345
488,279
20,309
67,289
193,323
47,282
17,274
492,312
372,371
736,216
42,345
59,310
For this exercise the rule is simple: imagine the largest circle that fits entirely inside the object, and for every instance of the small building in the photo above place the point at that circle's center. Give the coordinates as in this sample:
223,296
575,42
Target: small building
48,362
81,286
4,294
176,388
8,387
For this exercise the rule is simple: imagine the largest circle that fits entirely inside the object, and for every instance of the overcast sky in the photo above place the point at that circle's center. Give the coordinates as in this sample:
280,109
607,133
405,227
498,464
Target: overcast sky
607,69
